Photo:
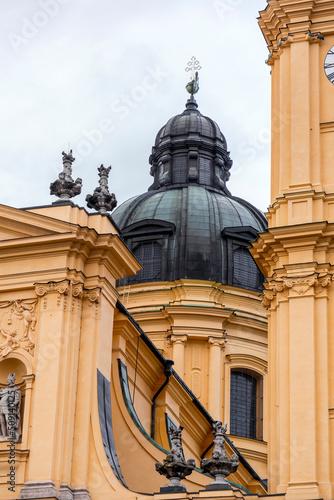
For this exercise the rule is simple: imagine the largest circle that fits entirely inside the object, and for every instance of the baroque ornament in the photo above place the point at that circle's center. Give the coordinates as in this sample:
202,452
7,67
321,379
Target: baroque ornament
17,326
175,467
66,288
101,200
299,285
61,287
219,466
65,187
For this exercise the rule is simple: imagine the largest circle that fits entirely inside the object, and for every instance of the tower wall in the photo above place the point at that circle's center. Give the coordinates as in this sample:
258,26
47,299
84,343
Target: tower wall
296,253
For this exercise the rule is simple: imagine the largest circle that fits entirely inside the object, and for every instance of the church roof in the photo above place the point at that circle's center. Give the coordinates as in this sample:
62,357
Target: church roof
188,225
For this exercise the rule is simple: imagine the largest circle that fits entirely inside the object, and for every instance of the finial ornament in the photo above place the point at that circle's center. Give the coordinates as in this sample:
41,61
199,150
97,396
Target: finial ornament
101,200
175,467
65,187
219,466
193,66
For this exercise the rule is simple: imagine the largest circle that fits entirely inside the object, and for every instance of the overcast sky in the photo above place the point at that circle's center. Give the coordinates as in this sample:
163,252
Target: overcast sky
103,76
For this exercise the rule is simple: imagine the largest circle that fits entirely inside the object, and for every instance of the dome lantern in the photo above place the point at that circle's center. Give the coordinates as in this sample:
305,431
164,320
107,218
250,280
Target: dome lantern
190,149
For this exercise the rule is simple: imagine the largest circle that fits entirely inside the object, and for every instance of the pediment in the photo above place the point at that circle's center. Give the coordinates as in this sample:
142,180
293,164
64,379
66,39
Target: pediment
16,223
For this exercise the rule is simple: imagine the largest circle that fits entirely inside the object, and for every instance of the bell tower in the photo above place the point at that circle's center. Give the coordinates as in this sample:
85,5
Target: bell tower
296,254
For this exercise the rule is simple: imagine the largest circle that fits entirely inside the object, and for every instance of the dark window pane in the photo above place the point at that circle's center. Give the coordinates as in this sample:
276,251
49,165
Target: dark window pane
180,169
245,271
150,256
243,405
204,171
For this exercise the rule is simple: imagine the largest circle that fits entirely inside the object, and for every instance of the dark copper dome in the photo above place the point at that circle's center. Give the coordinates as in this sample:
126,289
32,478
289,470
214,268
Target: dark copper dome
191,121
190,149
188,225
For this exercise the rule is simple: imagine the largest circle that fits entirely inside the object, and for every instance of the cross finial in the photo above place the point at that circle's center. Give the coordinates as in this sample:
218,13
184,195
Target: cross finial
193,65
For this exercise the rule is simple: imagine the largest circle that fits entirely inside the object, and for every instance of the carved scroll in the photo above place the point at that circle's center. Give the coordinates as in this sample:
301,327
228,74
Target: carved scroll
298,285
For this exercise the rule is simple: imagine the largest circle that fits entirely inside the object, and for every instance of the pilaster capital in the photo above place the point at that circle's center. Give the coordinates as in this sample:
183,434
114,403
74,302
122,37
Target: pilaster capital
92,295
298,285
78,290
61,287
217,342
64,287
178,339
286,41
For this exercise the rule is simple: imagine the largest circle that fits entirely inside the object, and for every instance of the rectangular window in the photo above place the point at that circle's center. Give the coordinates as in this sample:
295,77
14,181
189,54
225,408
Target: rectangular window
245,405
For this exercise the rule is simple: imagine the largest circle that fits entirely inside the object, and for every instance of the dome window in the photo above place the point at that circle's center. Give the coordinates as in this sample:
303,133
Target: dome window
245,270
149,254
149,241
241,269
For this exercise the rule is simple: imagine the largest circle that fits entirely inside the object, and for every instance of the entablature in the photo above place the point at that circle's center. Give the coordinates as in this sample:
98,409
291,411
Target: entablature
279,19
280,246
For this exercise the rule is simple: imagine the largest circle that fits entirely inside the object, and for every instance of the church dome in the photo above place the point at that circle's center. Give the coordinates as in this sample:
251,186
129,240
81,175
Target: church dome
190,149
191,121
188,225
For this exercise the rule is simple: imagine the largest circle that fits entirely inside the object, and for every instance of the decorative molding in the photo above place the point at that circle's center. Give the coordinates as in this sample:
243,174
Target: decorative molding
287,40
315,37
66,288
17,326
77,290
68,493
81,494
248,361
217,342
40,489
326,127
61,287
299,285
178,339
93,295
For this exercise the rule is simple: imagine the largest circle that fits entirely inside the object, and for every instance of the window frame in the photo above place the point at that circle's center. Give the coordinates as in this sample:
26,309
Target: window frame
257,366
145,231
258,428
234,238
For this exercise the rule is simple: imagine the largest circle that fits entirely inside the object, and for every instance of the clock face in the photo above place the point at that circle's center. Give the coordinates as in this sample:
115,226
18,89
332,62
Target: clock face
329,65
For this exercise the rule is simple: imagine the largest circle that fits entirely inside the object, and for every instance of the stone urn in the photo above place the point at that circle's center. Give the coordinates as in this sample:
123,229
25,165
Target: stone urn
219,466
174,467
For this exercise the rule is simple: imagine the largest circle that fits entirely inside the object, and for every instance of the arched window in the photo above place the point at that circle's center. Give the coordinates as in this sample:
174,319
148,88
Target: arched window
246,404
149,254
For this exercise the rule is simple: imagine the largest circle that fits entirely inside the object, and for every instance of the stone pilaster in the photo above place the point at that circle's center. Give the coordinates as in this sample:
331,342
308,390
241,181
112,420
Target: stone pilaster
216,345
178,342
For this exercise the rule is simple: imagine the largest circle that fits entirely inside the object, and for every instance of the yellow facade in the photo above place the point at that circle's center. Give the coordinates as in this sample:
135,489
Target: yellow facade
208,329
296,253
59,266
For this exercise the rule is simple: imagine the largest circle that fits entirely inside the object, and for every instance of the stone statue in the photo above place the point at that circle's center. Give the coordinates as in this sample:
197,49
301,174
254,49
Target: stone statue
10,406
9,344
65,187
101,200
175,467
219,466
